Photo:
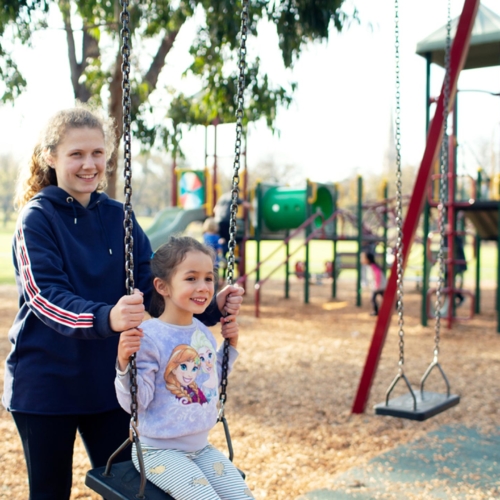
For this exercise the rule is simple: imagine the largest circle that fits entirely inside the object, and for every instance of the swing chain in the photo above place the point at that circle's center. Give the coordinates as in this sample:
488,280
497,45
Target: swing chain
128,223
399,196
235,189
237,148
443,178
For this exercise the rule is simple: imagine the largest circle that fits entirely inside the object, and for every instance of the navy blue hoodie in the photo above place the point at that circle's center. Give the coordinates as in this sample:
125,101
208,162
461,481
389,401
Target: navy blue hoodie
70,271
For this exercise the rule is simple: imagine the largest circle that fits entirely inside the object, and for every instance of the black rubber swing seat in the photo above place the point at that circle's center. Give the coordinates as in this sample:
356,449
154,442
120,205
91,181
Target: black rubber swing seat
417,404
428,404
123,483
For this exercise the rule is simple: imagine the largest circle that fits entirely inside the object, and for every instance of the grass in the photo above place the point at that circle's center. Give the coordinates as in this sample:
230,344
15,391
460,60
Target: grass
6,266
320,252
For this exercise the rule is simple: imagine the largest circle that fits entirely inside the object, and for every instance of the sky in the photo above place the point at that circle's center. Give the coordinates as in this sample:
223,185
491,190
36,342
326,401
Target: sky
339,124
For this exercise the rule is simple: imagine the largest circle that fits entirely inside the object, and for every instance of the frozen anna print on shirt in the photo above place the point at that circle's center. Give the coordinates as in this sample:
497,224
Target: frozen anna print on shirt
208,358
180,375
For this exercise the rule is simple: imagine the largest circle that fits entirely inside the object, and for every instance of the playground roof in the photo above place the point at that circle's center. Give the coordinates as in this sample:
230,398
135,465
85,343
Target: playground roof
484,47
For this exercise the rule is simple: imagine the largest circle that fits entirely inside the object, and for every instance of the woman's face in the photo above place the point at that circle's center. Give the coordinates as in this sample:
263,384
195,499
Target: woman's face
186,372
80,162
207,359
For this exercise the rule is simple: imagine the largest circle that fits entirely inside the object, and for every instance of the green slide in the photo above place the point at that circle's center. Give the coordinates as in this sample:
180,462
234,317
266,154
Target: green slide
172,220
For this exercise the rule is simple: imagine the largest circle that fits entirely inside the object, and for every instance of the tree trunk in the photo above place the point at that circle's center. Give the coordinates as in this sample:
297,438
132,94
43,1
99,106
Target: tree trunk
116,112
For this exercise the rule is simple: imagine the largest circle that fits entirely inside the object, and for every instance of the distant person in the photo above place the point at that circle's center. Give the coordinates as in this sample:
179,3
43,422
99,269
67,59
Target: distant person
212,239
376,278
222,215
459,268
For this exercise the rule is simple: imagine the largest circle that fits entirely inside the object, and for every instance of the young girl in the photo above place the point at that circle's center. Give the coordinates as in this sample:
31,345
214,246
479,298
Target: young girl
70,272
375,277
177,391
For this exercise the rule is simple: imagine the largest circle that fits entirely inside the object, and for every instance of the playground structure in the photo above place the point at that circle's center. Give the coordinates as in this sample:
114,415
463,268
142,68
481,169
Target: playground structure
195,193
192,204
314,212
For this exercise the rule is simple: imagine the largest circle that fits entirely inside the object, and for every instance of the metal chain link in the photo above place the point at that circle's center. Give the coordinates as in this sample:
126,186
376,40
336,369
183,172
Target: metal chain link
128,223
399,196
234,187
443,182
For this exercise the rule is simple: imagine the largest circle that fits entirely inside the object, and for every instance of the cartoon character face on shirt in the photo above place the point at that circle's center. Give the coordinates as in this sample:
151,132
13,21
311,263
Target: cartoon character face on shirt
180,375
186,372
207,358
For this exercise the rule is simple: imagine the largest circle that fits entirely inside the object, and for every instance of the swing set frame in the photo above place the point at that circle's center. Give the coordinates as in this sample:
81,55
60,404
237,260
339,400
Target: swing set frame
458,55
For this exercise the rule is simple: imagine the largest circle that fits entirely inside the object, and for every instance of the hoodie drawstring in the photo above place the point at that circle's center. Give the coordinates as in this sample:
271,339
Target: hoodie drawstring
70,200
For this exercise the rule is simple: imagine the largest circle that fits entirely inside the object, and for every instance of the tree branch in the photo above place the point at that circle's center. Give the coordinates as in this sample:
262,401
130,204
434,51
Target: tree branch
153,73
75,69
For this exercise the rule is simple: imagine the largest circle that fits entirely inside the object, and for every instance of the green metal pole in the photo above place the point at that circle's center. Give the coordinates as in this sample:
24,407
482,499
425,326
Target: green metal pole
306,275
258,193
477,242
425,265
498,271
287,268
307,232
334,259
360,240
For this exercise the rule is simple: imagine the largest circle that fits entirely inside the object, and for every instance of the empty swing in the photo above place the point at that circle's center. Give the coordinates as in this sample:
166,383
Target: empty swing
420,404
122,481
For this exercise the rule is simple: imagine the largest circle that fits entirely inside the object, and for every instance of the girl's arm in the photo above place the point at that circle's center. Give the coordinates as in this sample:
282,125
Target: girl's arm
147,361
230,331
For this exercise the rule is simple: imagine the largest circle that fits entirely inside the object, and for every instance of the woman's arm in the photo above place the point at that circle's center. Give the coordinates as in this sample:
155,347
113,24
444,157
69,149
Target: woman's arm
42,275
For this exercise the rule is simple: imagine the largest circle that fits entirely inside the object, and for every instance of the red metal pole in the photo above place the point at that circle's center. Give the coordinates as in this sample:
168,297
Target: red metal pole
457,59
174,178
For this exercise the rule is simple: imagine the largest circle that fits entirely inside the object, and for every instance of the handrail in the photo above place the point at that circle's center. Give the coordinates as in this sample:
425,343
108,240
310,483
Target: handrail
261,282
306,223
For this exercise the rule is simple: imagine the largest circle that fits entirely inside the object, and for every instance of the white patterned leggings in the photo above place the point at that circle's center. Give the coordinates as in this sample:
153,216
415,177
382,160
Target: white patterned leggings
202,475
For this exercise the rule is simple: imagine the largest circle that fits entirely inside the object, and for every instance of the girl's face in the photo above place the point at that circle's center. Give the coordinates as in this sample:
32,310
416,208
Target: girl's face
80,162
190,291
207,359
186,372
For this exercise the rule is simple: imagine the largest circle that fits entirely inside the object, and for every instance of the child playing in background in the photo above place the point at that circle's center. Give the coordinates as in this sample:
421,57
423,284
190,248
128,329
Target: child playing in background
375,277
179,369
212,239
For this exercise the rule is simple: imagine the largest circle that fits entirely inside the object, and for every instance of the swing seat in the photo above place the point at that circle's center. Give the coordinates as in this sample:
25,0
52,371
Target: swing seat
428,405
122,484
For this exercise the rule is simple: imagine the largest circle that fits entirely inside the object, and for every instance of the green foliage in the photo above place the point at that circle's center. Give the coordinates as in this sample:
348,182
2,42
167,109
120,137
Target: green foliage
212,58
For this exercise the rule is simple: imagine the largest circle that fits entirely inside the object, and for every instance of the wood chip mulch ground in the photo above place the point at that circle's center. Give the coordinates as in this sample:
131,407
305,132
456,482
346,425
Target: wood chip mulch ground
290,396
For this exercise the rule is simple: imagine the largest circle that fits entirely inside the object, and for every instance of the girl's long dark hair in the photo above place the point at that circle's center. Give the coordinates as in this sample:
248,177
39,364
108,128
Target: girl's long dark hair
370,257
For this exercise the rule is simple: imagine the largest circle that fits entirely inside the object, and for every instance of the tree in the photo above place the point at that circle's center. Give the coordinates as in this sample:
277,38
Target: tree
8,176
211,57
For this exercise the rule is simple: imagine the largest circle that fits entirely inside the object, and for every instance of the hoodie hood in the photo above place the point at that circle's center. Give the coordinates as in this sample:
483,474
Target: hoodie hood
62,199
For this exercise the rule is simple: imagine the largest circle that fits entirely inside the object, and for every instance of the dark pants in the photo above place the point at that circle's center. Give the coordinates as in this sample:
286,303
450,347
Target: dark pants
375,294
48,442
